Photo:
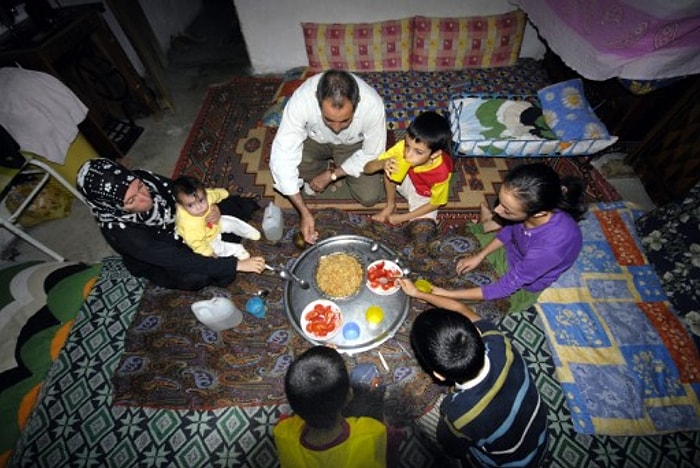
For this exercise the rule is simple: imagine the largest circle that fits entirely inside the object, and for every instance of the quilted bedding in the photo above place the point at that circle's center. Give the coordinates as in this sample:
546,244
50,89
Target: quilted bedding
38,303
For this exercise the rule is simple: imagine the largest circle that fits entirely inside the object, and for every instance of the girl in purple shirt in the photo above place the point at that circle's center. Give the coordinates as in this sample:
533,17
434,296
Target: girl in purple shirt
540,236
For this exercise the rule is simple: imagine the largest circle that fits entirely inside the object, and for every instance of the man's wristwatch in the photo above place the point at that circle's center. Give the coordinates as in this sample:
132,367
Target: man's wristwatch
333,176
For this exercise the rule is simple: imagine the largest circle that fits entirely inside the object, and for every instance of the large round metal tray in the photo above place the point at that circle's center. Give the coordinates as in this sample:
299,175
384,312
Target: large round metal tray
353,308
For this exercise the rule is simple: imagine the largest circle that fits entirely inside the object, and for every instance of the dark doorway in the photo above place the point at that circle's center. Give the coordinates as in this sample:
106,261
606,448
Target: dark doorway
213,38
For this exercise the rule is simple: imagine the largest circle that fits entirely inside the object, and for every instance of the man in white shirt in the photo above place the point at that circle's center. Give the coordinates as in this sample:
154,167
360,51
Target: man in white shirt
331,127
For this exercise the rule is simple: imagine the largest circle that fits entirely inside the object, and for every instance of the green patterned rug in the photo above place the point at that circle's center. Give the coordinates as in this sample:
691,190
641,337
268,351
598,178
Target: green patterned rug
76,423
38,304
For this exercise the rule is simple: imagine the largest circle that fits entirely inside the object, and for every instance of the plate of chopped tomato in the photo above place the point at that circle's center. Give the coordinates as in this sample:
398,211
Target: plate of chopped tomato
321,319
381,277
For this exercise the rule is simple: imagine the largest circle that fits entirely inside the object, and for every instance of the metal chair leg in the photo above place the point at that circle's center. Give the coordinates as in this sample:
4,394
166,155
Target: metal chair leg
10,222
23,235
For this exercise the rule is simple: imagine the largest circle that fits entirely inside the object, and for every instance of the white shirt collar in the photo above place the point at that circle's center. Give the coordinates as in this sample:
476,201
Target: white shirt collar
479,377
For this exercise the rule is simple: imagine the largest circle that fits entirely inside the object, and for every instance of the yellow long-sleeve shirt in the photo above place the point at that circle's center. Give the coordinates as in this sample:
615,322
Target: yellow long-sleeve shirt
195,230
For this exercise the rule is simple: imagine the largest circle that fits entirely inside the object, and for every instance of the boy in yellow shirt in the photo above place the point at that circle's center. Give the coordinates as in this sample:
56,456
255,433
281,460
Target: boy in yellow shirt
425,156
317,435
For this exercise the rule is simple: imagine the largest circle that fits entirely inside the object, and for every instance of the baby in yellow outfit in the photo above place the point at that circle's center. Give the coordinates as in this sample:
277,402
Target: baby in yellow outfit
193,206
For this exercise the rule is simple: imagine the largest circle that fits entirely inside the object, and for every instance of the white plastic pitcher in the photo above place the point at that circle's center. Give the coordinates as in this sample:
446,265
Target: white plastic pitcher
273,223
218,313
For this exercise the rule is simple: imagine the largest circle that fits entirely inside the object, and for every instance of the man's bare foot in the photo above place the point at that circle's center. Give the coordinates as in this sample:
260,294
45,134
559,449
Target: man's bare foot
309,191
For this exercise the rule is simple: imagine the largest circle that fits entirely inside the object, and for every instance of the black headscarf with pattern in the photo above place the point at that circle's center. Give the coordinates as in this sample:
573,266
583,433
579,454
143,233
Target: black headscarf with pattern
104,183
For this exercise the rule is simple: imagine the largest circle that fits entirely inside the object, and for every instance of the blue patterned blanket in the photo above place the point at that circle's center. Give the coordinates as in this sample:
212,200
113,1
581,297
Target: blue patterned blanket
625,361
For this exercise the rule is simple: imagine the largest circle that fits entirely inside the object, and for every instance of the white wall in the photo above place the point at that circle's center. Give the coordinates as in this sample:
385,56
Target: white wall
272,30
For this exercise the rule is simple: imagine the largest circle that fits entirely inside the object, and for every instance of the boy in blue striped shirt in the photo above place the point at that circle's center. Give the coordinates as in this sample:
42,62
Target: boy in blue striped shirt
493,414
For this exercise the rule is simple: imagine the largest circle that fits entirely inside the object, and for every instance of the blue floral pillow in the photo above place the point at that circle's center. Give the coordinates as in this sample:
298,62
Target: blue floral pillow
568,113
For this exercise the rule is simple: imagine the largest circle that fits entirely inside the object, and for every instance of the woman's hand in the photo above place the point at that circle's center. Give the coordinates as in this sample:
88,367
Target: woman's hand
251,265
466,264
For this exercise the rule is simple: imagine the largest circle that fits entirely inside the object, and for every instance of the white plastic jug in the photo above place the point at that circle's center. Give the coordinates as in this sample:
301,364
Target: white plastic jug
273,223
218,313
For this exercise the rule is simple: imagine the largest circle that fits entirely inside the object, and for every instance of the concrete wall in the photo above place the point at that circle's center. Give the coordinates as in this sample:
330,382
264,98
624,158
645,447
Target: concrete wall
167,18
272,30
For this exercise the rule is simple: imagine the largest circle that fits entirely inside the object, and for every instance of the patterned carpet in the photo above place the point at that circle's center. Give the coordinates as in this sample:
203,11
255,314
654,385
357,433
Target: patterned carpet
172,361
77,424
228,146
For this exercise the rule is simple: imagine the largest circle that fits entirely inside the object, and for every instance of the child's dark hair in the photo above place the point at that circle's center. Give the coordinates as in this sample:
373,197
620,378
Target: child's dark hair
338,85
539,188
433,129
448,343
317,386
186,185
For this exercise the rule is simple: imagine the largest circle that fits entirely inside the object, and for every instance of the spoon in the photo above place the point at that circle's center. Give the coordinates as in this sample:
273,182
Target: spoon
288,276
404,269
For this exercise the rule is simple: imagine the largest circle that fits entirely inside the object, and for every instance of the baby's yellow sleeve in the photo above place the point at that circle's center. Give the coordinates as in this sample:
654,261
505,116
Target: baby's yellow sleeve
215,195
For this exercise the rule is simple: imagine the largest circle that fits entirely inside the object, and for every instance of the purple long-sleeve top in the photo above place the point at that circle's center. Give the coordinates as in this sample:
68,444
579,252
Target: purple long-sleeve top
536,257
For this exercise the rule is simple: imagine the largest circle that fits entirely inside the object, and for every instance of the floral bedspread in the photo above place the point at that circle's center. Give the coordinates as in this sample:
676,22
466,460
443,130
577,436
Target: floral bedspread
626,39
671,240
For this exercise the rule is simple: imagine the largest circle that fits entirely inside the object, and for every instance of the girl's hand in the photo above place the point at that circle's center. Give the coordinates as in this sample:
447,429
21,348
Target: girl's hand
407,286
466,264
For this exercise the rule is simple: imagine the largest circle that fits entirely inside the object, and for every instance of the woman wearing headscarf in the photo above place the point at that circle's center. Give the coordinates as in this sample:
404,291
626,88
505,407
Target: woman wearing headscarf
136,214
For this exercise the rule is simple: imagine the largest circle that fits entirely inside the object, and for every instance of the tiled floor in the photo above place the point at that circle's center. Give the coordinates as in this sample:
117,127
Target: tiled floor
221,55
